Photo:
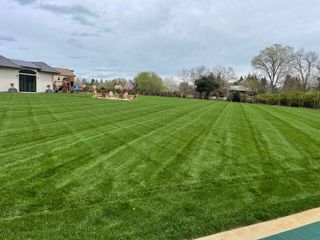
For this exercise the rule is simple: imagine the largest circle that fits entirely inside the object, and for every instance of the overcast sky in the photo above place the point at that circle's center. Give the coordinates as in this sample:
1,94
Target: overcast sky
118,38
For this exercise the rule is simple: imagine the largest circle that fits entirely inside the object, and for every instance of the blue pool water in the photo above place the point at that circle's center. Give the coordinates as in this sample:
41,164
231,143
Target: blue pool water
308,232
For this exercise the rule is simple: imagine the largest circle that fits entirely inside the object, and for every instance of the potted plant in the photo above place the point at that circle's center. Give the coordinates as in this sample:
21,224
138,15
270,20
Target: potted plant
12,89
49,90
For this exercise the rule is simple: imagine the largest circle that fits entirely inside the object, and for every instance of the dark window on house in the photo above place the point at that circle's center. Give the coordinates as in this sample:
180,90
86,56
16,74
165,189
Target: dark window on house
27,81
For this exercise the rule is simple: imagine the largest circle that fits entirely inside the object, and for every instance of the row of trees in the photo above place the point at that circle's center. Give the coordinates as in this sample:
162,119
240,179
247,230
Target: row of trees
200,81
283,67
203,82
277,68
146,83
101,85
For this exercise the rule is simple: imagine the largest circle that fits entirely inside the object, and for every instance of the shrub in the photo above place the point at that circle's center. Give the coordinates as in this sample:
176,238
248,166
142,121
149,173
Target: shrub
292,99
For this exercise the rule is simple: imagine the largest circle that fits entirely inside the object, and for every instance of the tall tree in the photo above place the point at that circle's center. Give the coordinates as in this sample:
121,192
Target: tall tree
224,75
252,82
305,67
170,84
290,84
206,84
184,75
274,63
185,89
198,72
148,83
318,78
264,85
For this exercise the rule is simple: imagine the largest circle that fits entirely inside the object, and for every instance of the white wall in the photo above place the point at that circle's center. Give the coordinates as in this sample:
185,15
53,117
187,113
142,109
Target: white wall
11,75
44,79
7,76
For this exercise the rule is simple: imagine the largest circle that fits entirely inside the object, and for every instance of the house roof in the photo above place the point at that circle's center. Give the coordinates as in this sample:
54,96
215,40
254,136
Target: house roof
25,64
4,62
18,64
239,89
65,72
45,67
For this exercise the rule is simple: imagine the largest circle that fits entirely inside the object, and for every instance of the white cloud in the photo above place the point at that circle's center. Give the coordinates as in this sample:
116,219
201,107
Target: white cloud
158,35
7,38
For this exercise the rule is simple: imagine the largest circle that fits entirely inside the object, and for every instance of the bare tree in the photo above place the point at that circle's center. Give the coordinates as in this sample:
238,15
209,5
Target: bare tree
227,73
186,89
198,72
171,84
184,75
318,77
274,63
224,75
291,83
253,82
305,67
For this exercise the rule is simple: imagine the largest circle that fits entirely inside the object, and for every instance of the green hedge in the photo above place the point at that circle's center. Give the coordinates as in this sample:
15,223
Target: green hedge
292,99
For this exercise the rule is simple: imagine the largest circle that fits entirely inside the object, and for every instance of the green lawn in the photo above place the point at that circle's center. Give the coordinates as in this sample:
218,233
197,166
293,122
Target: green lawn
73,167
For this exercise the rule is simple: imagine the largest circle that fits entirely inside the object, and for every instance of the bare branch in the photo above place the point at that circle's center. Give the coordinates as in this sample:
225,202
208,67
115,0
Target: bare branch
274,63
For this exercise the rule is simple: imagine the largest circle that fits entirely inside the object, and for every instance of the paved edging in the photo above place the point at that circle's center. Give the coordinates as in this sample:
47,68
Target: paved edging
269,228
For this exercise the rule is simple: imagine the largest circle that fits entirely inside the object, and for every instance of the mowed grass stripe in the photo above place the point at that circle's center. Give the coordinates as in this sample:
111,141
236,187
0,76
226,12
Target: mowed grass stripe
77,121
275,139
102,134
106,113
64,154
126,142
89,127
57,167
161,168
73,109
309,127
297,136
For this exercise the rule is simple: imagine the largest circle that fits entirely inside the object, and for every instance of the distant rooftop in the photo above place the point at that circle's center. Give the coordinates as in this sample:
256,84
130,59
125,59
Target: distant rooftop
45,67
65,72
239,89
19,64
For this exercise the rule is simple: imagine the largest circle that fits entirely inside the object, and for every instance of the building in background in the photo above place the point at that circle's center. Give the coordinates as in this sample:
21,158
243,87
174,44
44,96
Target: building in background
64,78
25,76
238,89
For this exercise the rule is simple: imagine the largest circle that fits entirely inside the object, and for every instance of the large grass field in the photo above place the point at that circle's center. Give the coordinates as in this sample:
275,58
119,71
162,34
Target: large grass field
73,167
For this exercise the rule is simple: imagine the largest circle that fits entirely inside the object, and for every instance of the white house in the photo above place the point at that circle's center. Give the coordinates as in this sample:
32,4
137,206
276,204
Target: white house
26,76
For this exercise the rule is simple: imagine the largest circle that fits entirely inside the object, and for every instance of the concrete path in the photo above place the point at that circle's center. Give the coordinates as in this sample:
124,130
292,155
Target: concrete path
269,228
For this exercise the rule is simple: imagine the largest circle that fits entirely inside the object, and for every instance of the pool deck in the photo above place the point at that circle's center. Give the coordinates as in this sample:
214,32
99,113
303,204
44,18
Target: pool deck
267,229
